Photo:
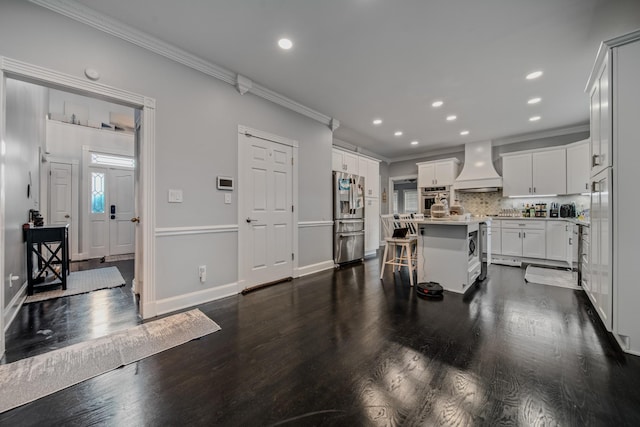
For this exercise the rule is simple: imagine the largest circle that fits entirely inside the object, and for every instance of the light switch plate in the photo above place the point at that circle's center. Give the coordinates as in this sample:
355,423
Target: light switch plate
227,198
175,196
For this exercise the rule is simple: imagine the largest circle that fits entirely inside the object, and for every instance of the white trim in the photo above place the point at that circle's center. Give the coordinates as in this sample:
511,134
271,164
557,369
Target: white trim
179,302
3,156
12,309
200,229
309,224
602,51
245,130
313,268
99,21
390,194
51,78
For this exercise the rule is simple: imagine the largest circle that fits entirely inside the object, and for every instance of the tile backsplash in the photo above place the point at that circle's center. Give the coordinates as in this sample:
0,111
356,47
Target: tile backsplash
492,203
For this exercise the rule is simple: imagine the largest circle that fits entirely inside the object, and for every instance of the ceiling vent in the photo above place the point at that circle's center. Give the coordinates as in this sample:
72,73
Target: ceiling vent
478,174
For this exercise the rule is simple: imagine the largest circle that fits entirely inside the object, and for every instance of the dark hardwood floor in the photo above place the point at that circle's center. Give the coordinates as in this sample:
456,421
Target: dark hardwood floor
343,348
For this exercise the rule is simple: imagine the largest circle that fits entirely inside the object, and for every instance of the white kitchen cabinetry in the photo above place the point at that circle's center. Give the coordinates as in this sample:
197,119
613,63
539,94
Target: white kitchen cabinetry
343,161
540,172
438,173
614,235
371,225
370,169
578,167
558,241
600,125
496,237
523,239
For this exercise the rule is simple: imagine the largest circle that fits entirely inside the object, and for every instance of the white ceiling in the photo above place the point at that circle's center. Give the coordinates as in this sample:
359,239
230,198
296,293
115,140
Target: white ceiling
356,60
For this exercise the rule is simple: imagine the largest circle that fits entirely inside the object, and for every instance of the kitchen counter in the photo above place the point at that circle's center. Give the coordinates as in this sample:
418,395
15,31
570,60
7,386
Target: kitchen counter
522,218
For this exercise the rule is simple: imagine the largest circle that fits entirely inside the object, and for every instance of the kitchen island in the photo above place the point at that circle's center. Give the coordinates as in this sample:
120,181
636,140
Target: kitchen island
450,251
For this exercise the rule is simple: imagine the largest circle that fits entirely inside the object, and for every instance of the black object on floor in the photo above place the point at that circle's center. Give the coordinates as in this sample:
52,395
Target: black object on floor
430,290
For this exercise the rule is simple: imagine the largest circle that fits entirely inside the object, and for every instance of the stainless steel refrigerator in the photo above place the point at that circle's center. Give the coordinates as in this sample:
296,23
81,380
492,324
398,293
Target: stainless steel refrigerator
348,217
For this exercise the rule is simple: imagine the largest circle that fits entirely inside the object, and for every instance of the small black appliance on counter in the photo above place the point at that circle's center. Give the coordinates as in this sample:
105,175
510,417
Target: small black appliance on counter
568,211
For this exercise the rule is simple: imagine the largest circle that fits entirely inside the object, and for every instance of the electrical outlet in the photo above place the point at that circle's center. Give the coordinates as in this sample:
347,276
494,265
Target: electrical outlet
202,271
227,198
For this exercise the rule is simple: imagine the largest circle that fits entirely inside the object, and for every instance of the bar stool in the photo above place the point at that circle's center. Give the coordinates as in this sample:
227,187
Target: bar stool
399,250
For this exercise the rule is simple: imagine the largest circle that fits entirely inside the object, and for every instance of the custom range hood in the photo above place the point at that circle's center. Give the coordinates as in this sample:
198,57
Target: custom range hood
478,174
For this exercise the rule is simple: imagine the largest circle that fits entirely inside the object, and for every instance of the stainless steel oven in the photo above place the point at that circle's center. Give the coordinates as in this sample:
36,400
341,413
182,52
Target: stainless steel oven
431,195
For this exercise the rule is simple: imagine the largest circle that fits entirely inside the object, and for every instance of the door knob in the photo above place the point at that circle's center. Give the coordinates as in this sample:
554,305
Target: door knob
135,219
249,220
67,216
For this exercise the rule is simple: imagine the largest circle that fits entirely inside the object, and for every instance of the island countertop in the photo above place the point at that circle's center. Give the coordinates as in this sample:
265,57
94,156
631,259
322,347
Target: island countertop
448,221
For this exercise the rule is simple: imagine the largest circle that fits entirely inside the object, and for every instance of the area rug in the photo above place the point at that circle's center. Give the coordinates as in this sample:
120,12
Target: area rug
552,277
29,379
80,282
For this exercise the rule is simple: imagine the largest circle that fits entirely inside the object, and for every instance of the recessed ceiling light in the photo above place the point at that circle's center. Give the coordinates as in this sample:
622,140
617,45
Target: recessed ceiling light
534,118
414,142
464,132
437,104
534,100
534,75
398,133
377,121
285,44
451,117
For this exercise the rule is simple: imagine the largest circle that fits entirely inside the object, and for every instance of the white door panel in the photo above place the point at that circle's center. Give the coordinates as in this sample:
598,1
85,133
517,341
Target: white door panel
121,229
268,205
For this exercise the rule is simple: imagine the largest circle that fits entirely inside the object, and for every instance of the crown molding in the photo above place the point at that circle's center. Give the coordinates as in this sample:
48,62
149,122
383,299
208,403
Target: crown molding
549,133
459,148
99,21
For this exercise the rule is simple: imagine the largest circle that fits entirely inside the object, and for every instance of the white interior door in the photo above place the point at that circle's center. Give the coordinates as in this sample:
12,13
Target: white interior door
121,211
268,206
60,193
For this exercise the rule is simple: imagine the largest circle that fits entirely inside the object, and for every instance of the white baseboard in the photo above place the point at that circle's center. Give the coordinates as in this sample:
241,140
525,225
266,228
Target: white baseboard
11,311
168,305
313,268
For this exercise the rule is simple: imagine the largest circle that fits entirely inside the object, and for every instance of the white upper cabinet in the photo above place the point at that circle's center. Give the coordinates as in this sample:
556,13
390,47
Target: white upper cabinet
535,173
578,167
438,173
601,119
343,161
516,175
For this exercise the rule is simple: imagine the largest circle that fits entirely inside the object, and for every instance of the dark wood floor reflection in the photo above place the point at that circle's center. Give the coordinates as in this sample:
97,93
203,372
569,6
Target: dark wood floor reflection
344,348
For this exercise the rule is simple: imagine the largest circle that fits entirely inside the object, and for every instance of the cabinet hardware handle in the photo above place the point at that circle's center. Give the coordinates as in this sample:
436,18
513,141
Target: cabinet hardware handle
570,241
519,235
534,189
586,185
529,190
595,160
249,220
524,234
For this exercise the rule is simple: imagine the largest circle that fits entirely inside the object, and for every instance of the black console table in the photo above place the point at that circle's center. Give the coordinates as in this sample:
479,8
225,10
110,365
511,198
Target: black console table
41,243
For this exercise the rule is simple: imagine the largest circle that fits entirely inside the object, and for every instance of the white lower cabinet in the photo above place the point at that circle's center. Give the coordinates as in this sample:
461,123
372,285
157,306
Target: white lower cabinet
496,235
371,225
523,239
558,241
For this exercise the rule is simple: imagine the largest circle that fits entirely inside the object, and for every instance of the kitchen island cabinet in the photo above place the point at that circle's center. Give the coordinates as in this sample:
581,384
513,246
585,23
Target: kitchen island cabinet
449,253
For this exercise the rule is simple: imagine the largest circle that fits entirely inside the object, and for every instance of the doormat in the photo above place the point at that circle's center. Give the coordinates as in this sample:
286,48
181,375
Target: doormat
80,282
552,277
29,379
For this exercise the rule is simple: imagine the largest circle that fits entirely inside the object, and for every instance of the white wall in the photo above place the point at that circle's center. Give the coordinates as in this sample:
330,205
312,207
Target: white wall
196,135
98,110
26,108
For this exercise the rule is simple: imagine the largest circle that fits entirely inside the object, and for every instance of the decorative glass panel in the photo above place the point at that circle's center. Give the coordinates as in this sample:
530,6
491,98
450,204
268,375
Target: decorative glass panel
97,192
111,160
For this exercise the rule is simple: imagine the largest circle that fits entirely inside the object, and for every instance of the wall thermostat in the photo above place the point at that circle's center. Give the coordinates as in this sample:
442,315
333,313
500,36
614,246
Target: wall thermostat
225,183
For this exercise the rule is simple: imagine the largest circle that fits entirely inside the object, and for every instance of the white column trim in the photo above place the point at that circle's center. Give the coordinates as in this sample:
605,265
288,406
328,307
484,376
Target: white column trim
3,155
200,229
99,21
309,224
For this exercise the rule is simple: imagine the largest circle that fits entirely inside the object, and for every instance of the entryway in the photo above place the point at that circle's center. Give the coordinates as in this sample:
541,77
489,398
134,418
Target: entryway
138,207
